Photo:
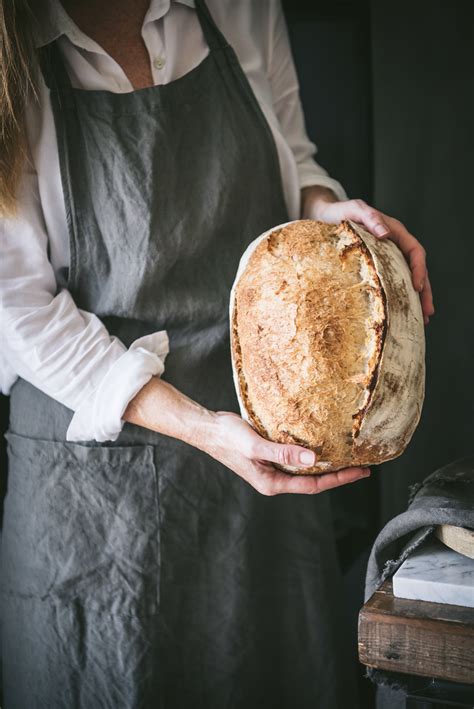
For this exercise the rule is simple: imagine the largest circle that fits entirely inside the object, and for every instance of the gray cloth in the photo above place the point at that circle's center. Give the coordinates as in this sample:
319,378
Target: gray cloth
444,497
142,573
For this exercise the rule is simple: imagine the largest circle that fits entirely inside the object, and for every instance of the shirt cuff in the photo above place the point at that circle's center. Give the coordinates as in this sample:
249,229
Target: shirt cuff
99,417
309,176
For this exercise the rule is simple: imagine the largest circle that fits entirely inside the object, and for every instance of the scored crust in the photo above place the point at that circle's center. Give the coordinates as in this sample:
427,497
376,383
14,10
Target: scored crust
310,318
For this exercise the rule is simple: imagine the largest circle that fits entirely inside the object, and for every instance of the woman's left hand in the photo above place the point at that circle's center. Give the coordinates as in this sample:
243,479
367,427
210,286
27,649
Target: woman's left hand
383,227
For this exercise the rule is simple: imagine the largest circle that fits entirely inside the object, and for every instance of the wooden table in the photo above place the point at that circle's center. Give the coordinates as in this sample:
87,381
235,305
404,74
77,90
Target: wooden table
418,639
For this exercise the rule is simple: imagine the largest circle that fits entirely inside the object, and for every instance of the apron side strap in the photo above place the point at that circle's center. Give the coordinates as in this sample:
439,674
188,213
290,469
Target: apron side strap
212,34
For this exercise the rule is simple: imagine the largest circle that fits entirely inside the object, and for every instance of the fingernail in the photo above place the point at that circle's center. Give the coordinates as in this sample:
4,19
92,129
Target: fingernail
380,230
307,458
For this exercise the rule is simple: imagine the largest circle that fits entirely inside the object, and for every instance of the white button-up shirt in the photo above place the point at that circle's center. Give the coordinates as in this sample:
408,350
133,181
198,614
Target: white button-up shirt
46,339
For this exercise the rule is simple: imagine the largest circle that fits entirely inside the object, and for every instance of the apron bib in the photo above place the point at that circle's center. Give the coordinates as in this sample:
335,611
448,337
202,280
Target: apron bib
142,573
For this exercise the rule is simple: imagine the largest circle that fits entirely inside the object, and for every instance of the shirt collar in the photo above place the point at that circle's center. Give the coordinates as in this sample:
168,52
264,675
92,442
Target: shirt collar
56,22
159,8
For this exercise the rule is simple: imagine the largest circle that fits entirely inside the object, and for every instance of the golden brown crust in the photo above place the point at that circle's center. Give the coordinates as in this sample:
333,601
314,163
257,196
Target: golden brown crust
309,320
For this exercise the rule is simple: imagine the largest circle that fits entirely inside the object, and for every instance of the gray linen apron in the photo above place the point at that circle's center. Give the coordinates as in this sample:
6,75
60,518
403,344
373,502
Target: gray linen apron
142,573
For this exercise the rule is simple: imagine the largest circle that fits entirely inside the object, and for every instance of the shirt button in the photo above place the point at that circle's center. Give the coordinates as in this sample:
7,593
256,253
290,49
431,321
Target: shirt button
159,63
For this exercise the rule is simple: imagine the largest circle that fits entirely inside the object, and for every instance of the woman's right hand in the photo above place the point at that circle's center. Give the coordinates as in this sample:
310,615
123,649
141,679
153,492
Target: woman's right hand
235,444
226,437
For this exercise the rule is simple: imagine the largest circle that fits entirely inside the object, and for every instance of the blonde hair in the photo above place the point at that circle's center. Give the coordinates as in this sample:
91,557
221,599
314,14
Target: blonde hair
18,74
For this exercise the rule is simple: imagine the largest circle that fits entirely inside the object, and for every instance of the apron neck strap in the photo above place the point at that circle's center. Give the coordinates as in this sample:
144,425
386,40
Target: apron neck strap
212,34
53,69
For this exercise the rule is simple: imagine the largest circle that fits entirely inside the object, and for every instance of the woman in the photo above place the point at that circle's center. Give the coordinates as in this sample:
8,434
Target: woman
146,561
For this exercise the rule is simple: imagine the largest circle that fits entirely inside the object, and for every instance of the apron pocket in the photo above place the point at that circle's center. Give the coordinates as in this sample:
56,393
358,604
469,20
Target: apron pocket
81,524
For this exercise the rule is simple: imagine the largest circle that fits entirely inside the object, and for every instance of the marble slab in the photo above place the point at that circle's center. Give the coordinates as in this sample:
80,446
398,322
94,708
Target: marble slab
436,573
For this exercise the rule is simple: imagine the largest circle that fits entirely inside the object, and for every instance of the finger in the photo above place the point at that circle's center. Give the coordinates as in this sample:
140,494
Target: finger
270,481
413,251
283,454
427,301
416,257
342,477
373,220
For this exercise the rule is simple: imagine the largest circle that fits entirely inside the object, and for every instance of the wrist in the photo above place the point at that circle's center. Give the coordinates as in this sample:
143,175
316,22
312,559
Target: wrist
160,407
202,429
210,434
314,200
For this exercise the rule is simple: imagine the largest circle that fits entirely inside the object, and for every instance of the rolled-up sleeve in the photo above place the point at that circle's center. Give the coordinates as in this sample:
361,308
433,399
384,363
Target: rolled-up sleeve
287,105
62,350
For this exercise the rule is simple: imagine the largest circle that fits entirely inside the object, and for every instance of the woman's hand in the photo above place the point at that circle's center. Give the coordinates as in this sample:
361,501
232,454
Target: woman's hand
240,448
230,440
321,203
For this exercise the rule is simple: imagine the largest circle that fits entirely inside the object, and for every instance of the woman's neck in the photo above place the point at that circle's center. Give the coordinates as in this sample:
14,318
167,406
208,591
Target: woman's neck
116,27
102,13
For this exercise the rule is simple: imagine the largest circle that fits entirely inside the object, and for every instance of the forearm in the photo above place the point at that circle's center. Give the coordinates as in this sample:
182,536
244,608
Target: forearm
314,198
162,408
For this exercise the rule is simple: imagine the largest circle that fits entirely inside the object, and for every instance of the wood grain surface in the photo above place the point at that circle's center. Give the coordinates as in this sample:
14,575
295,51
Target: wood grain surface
417,637
457,538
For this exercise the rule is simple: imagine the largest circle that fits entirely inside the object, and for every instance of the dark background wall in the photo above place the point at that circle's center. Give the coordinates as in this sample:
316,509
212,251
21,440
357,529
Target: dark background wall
332,52
423,78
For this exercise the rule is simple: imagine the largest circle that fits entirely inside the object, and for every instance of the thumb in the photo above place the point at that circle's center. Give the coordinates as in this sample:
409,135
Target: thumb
287,454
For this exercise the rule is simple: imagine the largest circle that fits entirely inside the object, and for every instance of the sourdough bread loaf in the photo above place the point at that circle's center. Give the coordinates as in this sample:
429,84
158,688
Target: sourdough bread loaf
327,343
